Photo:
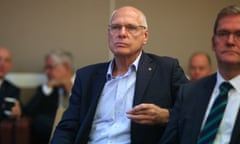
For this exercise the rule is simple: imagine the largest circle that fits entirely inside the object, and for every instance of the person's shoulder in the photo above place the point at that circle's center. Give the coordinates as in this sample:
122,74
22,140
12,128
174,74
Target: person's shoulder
162,61
93,67
206,81
161,58
11,85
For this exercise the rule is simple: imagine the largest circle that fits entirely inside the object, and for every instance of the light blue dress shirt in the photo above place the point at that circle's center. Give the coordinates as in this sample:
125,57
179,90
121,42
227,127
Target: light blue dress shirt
110,124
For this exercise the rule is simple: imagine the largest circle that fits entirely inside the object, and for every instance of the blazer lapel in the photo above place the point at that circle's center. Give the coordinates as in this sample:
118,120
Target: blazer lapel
201,100
199,112
98,82
144,73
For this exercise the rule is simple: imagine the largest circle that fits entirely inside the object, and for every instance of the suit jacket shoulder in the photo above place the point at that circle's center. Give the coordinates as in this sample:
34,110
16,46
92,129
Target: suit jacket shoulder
9,89
161,59
91,69
188,112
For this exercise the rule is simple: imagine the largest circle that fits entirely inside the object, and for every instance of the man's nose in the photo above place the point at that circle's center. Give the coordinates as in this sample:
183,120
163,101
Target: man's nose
231,38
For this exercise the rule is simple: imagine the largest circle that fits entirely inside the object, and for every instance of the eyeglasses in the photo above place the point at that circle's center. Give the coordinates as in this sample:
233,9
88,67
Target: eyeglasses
132,29
224,35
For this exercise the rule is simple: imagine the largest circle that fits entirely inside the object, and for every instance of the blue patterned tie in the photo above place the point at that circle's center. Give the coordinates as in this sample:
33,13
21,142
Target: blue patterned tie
209,131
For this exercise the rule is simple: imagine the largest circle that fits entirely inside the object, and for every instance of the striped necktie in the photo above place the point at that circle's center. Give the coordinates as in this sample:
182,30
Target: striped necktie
210,129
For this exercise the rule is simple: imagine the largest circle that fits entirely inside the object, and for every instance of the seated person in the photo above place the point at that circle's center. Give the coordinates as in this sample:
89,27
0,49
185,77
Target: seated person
48,97
207,111
126,100
9,93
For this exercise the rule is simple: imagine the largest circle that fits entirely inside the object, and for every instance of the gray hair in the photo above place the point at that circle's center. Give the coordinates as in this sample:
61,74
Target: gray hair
227,11
60,56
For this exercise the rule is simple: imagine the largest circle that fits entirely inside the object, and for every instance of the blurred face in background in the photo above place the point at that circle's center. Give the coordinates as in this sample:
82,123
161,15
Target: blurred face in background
54,70
199,67
5,62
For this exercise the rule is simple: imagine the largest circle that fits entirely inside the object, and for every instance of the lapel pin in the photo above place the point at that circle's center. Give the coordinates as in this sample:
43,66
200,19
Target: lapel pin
149,69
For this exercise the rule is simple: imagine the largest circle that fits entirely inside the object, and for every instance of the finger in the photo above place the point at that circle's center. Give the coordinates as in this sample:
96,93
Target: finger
136,109
141,119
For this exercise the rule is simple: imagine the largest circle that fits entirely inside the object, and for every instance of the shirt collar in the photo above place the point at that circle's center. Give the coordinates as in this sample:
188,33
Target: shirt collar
133,66
235,82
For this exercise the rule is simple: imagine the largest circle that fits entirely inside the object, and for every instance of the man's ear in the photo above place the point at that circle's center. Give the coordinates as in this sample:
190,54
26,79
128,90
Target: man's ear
146,37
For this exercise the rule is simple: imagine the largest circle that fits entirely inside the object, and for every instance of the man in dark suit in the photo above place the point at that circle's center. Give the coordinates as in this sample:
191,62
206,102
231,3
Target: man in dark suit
126,100
54,94
7,89
189,121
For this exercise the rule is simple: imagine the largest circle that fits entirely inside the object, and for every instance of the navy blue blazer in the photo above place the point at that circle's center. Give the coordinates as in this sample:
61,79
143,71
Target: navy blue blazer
188,113
157,82
7,89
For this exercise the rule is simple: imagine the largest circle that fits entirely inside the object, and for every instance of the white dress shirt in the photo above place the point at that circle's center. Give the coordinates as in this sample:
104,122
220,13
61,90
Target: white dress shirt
227,124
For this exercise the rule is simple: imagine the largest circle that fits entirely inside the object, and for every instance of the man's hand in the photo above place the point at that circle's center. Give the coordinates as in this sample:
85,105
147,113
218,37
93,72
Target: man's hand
148,114
65,83
16,111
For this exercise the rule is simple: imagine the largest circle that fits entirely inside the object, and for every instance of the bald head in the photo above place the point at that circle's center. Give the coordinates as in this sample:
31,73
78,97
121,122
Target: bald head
129,10
5,61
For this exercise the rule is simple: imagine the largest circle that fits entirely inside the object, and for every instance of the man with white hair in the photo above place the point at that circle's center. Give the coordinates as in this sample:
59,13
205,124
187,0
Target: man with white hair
126,100
52,95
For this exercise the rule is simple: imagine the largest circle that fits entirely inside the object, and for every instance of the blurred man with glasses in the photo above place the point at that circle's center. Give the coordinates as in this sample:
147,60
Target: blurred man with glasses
52,97
127,100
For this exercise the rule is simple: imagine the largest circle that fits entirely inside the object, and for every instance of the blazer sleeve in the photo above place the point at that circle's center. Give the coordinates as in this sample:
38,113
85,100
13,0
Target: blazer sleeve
171,134
178,77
